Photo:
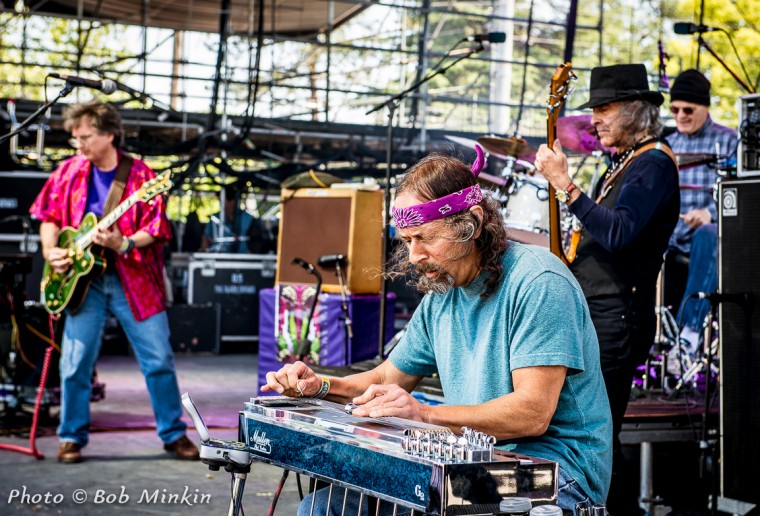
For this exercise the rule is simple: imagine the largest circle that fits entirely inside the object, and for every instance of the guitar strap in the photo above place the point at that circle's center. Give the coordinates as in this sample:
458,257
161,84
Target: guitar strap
610,181
119,182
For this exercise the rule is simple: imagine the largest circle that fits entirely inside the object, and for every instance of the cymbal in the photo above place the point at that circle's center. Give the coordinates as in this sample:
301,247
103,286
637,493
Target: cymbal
465,142
578,134
695,159
505,148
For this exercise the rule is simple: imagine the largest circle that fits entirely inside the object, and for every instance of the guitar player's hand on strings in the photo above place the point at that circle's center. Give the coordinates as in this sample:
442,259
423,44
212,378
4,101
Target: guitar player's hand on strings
389,400
58,258
296,380
110,238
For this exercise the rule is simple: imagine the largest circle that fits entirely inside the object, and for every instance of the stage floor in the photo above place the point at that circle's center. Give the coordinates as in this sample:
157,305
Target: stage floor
125,456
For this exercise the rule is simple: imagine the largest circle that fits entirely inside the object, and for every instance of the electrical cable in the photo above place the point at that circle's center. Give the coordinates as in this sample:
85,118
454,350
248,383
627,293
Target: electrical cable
277,493
525,68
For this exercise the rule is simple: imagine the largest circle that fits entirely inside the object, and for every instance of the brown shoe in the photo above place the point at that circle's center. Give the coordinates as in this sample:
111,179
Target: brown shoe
69,452
183,448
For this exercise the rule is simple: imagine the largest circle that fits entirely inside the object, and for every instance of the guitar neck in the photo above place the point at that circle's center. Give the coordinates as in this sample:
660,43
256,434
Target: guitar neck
108,221
555,234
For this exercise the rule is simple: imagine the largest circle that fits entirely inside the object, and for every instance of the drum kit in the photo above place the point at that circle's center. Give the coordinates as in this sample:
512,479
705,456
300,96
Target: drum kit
523,193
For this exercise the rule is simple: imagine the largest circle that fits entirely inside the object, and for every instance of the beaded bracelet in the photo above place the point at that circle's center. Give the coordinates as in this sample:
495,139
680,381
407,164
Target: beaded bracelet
324,389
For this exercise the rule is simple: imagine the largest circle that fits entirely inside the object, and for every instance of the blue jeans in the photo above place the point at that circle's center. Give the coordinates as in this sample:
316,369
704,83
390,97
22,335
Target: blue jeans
569,494
82,338
703,276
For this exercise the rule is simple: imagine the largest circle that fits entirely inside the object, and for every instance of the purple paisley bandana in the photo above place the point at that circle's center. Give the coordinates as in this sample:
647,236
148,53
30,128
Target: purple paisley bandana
444,206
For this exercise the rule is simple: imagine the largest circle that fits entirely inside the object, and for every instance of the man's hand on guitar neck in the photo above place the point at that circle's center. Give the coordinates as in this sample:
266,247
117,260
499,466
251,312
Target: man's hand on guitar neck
110,238
552,164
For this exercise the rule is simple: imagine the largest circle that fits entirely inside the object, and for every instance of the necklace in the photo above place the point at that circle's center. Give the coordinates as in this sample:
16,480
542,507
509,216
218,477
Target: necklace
612,174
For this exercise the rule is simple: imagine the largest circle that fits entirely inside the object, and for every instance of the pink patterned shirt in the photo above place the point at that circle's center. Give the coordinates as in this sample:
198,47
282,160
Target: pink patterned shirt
62,201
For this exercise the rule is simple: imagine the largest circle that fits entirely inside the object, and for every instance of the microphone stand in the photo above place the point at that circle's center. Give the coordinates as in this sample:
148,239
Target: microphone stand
68,88
743,84
346,314
392,105
303,344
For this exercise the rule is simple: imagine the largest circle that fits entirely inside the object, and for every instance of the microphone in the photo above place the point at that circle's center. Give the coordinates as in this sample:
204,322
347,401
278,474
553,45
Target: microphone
307,266
107,86
331,260
691,28
740,299
491,37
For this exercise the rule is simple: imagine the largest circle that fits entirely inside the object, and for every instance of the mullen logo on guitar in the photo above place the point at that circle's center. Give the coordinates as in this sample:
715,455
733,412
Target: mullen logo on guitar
67,289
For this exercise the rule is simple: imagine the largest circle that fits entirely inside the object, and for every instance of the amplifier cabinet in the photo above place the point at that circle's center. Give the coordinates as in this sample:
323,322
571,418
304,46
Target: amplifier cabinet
748,152
739,205
18,189
233,281
316,222
194,328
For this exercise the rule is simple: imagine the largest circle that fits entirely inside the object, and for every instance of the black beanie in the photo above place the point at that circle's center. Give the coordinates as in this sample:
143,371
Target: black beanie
691,86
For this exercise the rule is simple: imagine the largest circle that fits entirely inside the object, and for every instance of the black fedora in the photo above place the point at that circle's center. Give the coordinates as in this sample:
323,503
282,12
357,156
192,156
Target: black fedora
620,82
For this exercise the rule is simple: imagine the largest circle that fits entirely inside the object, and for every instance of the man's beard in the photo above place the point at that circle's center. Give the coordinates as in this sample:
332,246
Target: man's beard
441,284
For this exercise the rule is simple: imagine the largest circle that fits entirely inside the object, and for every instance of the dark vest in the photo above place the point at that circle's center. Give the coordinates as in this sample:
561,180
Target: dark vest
633,269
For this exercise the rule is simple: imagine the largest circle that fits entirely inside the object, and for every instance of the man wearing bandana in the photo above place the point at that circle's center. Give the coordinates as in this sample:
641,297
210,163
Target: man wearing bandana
505,326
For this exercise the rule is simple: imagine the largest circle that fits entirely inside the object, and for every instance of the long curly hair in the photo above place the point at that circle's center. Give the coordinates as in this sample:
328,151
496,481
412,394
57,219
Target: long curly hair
638,119
433,177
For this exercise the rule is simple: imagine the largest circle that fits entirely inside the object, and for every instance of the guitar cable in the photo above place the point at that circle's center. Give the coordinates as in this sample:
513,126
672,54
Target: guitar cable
277,493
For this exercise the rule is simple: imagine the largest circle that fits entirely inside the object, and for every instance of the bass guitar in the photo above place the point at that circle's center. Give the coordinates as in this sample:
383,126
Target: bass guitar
559,91
68,289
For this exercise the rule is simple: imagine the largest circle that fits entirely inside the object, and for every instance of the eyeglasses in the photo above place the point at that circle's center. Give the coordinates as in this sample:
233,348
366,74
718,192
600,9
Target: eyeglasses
78,141
686,110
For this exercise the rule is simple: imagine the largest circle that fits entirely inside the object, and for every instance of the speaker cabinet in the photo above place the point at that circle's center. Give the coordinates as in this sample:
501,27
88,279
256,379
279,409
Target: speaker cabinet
232,281
739,203
316,222
194,328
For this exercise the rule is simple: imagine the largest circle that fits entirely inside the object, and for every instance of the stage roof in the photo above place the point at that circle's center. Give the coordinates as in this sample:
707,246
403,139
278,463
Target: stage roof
291,17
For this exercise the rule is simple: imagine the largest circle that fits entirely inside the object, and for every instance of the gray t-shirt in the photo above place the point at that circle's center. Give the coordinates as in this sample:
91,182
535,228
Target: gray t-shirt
537,317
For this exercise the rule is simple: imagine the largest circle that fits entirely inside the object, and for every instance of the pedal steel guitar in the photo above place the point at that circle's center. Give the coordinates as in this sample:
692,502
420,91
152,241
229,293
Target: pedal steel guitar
420,466
423,467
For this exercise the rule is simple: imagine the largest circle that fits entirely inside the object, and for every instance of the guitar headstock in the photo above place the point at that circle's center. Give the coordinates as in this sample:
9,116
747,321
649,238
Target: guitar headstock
159,184
561,87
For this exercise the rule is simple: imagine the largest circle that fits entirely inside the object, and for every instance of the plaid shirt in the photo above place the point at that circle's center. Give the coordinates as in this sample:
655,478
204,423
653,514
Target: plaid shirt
62,201
703,141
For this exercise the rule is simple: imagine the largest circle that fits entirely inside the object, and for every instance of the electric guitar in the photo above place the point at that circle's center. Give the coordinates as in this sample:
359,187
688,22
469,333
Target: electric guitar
559,91
68,289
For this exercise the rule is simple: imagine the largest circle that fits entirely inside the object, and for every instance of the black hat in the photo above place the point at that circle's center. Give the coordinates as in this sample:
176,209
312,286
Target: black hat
619,83
691,86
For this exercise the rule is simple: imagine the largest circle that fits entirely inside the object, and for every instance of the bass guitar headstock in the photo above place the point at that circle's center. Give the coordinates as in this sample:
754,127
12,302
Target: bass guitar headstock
561,87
